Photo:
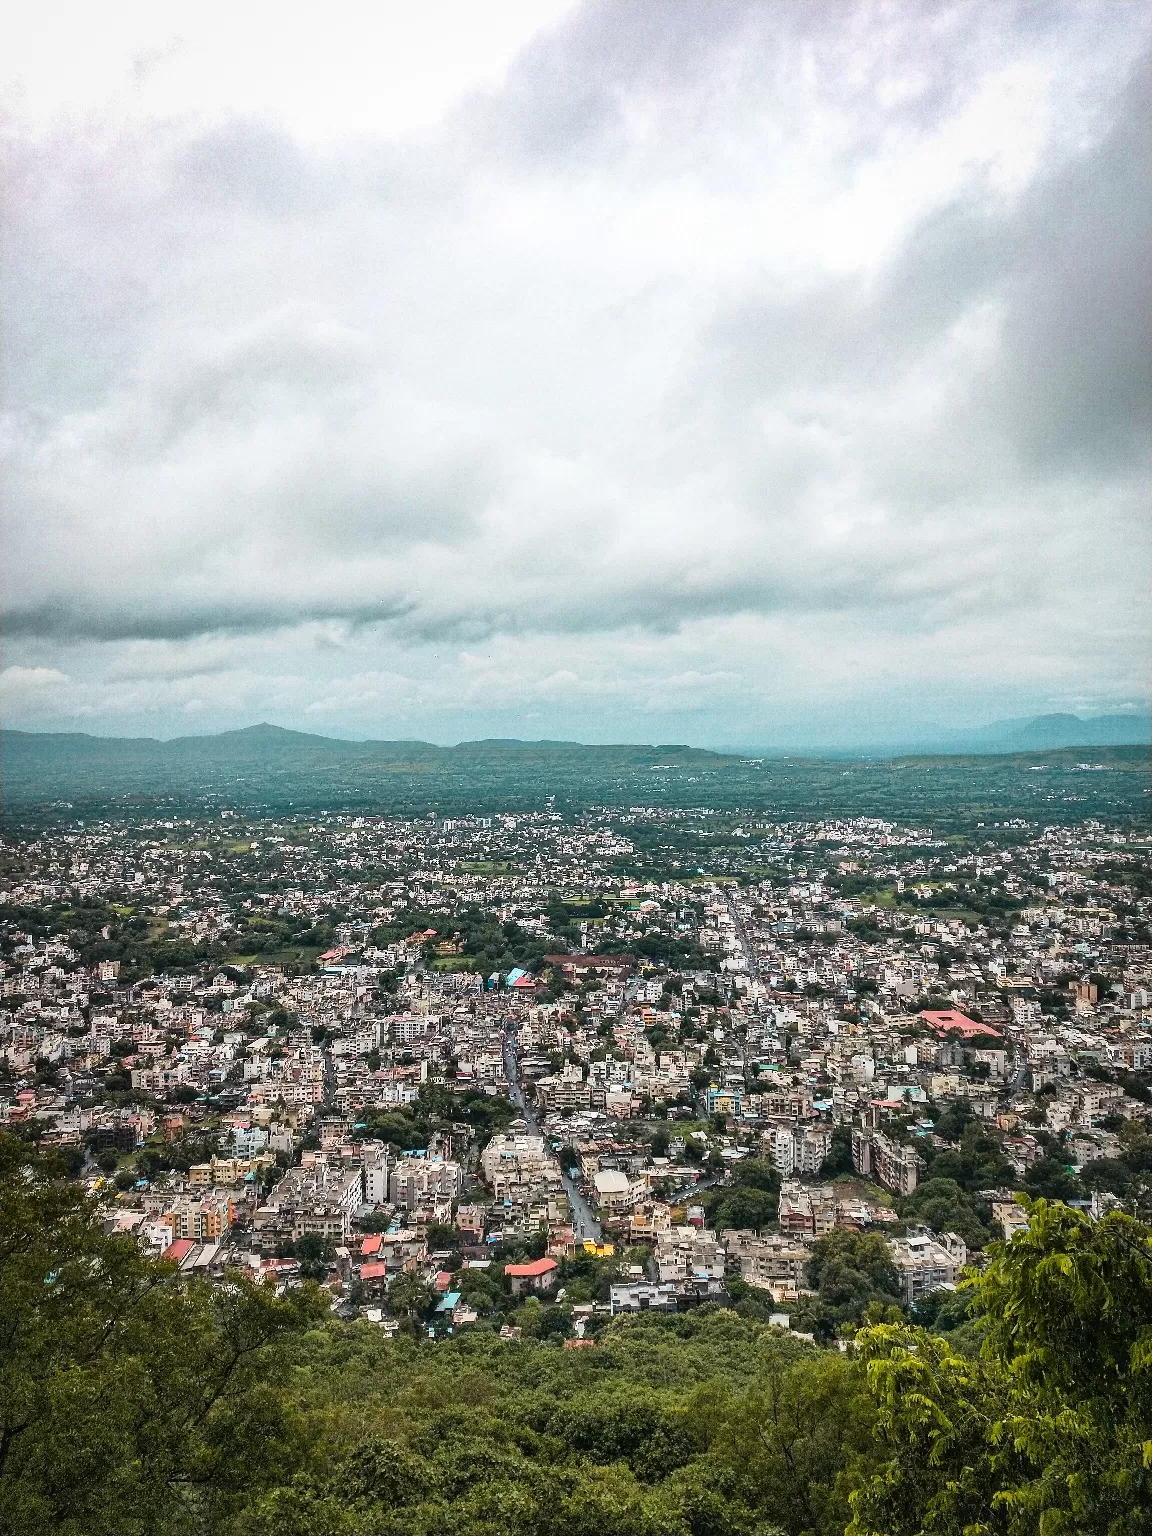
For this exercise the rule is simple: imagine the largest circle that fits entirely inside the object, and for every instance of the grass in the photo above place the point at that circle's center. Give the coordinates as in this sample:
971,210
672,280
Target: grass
275,957
889,901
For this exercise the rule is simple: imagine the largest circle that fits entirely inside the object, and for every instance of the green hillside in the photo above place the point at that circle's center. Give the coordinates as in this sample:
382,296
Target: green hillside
266,768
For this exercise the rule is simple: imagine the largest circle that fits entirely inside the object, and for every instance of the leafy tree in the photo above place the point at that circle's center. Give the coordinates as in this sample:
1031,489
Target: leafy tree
483,1290
375,1221
794,1447
1049,1427
314,1254
746,1206
839,1159
130,1401
953,1119
942,1205
943,1311
441,1236
756,1173
1049,1179
410,1298
72,1160
1110,1173
849,1271
556,1323
978,1164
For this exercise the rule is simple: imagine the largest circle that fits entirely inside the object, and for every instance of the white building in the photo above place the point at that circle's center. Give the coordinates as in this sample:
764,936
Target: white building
926,1263
420,1181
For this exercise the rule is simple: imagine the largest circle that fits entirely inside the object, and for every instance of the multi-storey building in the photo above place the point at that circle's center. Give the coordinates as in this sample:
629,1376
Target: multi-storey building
896,1166
199,1219
317,1199
925,1262
683,1252
421,1181
767,1260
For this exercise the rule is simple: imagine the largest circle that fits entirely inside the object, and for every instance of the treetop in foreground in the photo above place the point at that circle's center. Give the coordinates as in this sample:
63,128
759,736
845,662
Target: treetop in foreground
134,1400
1047,1427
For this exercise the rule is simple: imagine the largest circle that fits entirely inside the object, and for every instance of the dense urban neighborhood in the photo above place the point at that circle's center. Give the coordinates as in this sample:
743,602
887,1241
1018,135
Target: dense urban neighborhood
528,1073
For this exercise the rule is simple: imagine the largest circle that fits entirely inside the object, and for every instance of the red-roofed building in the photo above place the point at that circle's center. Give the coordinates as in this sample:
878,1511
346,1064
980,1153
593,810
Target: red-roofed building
178,1251
575,966
947,1020
539,1276
443,1281
372,1244
373,1277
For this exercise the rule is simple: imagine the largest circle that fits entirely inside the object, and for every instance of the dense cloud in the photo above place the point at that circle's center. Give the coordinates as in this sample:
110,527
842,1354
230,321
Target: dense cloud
732,371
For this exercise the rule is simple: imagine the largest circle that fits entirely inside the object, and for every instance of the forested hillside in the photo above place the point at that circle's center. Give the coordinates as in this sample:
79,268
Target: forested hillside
47,779
137,1403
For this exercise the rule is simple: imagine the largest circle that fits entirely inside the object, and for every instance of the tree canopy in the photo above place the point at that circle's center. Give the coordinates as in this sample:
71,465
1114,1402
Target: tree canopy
1048,1427
130,1402
137,1402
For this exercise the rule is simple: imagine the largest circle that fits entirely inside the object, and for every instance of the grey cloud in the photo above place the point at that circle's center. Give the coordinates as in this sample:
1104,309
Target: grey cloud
565,100
508,382
1068,383
291,359
251,165
365,508
569,98
173,620
1076,371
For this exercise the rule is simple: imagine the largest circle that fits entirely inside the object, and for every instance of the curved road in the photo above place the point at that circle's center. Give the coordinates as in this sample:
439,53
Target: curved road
585,1226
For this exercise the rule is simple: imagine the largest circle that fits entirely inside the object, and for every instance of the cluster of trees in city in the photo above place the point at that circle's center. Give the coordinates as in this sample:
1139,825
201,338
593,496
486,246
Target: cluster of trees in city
134,1400
410,1127
149,946
476,940
486,1287
749,1200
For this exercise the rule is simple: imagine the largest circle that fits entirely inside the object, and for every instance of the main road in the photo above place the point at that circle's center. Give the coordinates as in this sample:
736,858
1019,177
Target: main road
751,964
585,1226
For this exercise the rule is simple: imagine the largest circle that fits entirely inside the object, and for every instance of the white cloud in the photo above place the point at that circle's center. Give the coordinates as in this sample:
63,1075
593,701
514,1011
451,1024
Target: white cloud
361,68
31,679
706,365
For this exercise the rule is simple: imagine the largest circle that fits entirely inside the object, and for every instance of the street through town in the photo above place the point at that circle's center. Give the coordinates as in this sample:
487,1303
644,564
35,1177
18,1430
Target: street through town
585,1226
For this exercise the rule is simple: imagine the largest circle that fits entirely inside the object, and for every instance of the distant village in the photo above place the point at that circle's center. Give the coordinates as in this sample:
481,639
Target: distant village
531,1072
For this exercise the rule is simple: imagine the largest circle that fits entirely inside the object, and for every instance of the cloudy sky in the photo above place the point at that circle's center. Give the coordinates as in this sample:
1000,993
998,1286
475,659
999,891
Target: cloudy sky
741,374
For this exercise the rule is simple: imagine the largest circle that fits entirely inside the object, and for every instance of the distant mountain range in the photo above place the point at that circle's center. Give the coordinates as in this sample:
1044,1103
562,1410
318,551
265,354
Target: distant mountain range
1048,732
267,745
264,768
265,764
261,747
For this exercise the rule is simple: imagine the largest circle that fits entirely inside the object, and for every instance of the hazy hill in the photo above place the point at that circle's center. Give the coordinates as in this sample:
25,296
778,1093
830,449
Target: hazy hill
1046,732
52,777
270,745
267,765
